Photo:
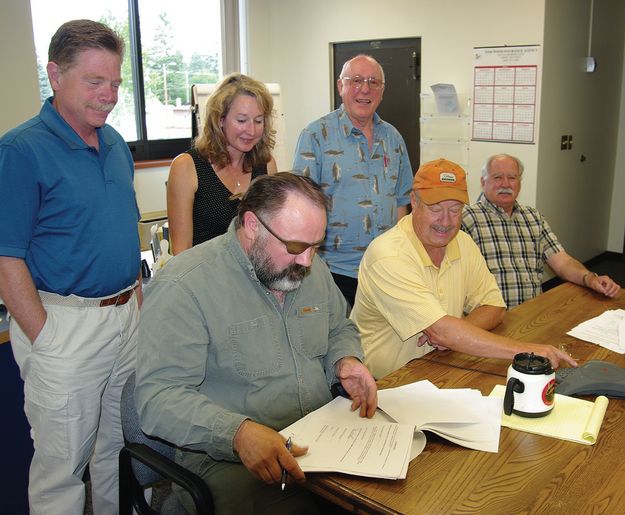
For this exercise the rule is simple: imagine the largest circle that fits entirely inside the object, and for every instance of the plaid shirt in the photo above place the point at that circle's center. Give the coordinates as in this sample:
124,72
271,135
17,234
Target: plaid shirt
515,247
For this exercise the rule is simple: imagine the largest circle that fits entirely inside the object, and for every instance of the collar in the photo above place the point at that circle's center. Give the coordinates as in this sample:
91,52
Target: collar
234,245
452,251
347,124
58,126
235,248
494,208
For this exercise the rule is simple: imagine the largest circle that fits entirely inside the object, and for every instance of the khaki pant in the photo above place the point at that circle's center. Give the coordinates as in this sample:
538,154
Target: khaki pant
73,377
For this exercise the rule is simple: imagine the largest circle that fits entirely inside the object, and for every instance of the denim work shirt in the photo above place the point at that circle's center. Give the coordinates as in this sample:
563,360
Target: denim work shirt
216,348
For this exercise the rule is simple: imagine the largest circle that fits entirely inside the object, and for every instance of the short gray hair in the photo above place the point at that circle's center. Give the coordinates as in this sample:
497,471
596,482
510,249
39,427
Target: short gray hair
489,161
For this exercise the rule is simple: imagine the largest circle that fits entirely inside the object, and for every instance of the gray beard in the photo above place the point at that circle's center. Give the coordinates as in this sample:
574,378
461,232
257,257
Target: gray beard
285,280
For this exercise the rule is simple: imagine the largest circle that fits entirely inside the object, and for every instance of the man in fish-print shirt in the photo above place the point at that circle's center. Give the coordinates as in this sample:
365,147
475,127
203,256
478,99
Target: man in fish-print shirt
362,164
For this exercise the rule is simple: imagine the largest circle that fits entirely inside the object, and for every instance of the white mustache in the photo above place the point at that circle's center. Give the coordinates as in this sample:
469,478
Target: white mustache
509,191
442,228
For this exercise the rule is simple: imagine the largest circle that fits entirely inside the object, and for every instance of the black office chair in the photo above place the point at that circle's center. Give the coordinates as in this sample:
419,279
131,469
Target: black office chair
147,460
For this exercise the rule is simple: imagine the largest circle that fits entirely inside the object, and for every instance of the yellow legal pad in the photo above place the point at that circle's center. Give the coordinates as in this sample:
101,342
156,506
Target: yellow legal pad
575,420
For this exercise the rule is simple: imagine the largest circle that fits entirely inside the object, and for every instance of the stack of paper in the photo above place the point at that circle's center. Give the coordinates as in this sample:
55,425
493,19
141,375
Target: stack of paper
339,440
570,419
462,416
607,330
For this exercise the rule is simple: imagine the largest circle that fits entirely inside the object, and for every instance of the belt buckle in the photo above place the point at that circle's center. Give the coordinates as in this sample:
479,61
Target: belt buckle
118,300
122,298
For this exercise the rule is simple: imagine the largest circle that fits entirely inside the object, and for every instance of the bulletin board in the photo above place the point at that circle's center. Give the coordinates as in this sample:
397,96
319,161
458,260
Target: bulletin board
505,92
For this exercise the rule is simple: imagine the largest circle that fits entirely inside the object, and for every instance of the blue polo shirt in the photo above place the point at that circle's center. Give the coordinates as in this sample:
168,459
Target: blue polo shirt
365,186
67,209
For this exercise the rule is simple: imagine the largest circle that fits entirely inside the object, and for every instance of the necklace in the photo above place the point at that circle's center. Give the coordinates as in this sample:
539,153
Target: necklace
238,184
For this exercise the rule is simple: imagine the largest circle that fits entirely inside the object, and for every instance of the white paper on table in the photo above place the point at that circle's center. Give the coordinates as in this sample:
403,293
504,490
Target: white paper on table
463,416
606,330
339,440
621,334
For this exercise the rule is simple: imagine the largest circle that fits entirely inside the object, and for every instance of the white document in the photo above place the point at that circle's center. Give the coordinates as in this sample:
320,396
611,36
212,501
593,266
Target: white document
446,98
607,330
462,416
339,440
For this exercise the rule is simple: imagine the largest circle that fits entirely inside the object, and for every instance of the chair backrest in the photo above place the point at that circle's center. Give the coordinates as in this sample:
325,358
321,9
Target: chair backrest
131,428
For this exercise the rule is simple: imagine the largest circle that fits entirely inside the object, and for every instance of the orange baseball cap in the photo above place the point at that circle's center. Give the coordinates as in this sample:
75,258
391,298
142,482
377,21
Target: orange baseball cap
440,180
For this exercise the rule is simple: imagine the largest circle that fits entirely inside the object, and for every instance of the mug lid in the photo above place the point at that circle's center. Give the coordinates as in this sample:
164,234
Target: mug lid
530,363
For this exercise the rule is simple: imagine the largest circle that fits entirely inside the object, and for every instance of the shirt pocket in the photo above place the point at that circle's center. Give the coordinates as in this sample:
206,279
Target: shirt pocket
256,351
312,325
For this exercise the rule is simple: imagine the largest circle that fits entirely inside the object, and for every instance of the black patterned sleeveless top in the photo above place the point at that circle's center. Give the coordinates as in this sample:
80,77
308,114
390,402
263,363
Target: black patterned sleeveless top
212,209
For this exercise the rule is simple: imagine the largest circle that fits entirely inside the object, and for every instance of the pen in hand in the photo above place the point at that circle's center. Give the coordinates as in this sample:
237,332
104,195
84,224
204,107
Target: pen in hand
284,472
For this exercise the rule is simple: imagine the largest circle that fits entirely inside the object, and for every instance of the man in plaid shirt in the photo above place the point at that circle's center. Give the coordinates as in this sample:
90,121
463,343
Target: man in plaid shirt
516,240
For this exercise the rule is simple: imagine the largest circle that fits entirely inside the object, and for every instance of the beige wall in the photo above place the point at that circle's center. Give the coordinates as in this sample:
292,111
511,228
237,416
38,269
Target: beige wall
575,196
617,210
19,87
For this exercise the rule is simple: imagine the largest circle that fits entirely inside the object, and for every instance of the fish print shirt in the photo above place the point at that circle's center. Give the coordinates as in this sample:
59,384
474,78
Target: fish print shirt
364,187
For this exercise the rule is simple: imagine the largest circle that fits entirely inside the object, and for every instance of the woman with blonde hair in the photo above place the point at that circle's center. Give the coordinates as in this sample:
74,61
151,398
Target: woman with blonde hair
234,146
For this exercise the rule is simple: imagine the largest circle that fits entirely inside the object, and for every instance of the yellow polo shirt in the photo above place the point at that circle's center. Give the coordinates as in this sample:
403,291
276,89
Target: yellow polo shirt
401,293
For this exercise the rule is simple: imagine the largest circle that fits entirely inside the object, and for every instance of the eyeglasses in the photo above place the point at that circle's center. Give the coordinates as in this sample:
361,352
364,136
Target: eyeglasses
292,247
357,81
501,177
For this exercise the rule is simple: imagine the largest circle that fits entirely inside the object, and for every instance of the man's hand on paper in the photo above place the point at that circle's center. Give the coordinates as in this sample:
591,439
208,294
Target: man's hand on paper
263,452
603,284
359,384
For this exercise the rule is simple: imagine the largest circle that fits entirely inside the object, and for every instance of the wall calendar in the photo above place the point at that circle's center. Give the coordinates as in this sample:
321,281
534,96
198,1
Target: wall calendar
505,90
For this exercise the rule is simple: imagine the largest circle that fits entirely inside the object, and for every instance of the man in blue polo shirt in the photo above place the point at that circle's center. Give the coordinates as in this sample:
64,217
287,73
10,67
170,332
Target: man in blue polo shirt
69,269
362,164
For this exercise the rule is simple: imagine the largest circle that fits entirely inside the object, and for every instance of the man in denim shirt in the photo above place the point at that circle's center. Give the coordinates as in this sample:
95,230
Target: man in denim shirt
241,336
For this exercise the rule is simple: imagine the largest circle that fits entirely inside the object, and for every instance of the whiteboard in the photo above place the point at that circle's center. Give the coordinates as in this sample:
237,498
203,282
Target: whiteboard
200,94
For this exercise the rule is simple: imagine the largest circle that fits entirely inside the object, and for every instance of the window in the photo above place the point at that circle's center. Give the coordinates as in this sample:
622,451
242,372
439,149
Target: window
169,47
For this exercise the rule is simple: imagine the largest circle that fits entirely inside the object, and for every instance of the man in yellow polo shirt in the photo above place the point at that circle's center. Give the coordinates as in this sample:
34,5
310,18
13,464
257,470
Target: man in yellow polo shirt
424,285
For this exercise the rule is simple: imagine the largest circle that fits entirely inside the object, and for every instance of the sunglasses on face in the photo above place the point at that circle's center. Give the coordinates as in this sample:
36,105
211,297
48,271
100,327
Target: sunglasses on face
292,246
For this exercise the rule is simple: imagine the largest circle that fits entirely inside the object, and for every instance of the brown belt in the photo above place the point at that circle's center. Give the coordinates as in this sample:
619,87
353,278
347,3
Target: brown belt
118,300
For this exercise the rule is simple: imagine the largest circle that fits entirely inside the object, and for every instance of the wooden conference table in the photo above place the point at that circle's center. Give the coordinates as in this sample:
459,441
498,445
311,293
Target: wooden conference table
530,473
